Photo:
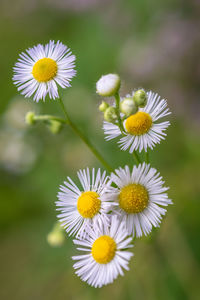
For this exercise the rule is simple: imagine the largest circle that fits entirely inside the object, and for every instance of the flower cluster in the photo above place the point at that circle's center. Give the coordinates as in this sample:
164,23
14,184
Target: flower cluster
141,127
104,212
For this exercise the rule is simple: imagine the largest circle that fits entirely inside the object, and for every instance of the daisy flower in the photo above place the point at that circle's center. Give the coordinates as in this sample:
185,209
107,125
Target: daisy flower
140,195
141,129
40,69
106,253
82,208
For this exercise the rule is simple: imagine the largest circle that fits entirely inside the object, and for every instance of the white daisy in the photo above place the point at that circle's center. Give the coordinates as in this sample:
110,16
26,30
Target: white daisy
140,195
41,68
106,253
85,207
141,129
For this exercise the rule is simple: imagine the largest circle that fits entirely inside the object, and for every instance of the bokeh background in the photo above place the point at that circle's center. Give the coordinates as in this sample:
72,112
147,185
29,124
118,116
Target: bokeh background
153,44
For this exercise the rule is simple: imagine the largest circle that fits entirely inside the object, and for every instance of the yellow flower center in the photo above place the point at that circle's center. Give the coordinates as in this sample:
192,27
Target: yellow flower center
138,123
45,69
103,249
133,198
88,204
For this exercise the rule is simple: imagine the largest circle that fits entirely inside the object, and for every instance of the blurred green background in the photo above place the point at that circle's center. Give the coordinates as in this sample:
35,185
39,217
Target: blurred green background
151,44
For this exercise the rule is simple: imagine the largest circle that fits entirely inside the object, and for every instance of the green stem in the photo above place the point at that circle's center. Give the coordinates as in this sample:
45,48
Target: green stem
147,156
136,157
49,118
84,139
117,101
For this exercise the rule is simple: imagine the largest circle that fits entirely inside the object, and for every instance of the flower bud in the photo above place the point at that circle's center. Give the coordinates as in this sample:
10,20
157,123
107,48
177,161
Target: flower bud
56,237
30,118
140,97
128,107
103,106
110,114
108,85
55,126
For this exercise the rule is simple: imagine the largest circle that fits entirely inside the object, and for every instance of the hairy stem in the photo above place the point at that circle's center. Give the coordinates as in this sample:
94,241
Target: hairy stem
84,138
49,118
120,123
147,156
136,157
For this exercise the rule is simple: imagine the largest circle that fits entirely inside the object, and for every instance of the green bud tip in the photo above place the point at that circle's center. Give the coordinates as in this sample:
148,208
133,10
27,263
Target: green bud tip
103,106
140,97
56,237
128,106
55,126
30,118
110,114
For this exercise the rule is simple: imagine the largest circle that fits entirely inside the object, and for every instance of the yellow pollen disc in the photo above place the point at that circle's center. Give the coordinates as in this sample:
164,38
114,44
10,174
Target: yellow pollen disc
133,198
45,69
88,204
138,123
103,249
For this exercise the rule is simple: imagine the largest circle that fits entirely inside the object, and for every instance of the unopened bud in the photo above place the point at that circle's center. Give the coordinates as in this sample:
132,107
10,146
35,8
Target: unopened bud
108,85
128,107
140,97
56,237
110,114
30,118
103,106
55,126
